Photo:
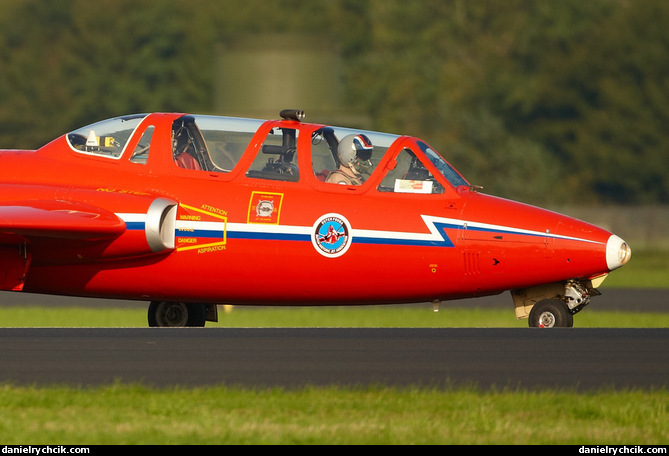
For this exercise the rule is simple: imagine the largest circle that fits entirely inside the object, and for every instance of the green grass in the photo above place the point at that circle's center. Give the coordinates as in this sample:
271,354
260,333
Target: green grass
646,269
382,316
132,414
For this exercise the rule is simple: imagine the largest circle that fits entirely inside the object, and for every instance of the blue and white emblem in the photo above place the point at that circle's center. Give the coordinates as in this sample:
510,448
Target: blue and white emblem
331,235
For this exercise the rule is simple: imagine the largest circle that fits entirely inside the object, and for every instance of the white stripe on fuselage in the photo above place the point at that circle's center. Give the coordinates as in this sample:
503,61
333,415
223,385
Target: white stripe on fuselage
434,224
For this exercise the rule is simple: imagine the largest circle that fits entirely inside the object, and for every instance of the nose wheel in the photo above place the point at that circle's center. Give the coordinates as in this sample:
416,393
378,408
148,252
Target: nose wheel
551,313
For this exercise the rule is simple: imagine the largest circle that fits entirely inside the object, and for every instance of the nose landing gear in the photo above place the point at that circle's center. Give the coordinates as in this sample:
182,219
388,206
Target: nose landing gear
553,305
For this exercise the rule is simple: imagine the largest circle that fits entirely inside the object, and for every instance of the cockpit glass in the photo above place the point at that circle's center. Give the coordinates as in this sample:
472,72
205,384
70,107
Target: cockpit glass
226,139
329,165
447,170
410,175
107,138
210,143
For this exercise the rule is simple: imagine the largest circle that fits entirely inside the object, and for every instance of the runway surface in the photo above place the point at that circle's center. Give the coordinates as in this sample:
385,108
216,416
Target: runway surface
581,359
573,359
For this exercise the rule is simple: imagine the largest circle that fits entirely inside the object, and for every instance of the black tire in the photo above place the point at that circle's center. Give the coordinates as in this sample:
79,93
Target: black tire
176,314
550,313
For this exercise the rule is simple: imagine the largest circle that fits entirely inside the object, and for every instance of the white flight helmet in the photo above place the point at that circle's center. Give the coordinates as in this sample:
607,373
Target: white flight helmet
354,147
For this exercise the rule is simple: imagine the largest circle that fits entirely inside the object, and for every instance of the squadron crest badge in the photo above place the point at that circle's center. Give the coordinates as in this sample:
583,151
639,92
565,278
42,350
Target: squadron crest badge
331,235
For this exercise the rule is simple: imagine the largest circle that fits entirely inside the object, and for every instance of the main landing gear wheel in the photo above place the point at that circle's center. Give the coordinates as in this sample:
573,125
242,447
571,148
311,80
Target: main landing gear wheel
176,314
551,313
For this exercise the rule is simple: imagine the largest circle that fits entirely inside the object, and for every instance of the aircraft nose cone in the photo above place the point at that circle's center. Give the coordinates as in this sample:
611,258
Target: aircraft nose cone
617,252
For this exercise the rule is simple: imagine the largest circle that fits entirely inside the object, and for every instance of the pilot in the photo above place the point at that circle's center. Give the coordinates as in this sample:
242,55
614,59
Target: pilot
354,152
183,148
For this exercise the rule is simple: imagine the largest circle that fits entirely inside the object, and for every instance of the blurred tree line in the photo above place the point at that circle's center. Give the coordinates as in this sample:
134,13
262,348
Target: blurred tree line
547,102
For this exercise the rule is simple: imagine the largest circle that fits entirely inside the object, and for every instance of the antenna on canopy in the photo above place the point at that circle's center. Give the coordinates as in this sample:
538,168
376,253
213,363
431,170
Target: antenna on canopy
292,114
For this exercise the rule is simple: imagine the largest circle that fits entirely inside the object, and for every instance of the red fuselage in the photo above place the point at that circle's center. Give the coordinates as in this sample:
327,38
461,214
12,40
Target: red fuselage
152,230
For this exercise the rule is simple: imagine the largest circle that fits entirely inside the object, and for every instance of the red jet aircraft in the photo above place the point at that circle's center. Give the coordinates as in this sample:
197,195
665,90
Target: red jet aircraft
191,211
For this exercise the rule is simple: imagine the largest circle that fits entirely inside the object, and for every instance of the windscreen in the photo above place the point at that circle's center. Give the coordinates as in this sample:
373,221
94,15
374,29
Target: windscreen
447,170
107,138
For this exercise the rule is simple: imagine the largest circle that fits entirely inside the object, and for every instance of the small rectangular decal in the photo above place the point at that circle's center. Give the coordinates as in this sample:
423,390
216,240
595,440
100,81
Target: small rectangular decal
412,186
265,207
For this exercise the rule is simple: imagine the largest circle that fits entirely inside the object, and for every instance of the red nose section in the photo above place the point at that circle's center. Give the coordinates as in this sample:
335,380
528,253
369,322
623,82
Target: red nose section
529,246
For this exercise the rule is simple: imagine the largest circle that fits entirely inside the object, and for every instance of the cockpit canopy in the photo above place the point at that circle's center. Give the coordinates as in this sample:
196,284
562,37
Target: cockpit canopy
282,151
107,138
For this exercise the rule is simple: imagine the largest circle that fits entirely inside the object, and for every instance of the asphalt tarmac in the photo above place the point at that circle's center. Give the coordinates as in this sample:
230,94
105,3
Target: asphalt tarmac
571,359
525,358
